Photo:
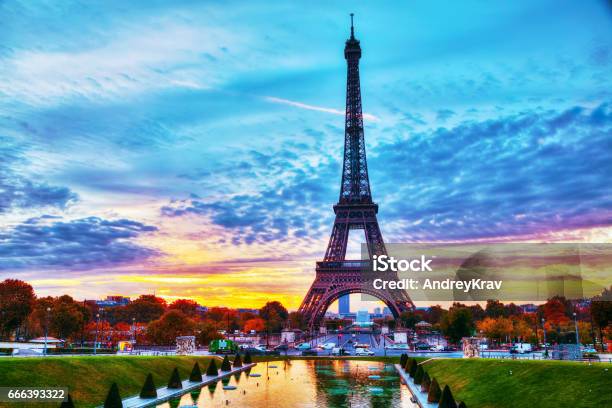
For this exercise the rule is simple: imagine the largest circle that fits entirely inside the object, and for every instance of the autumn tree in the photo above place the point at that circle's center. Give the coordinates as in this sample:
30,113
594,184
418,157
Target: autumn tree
494,309
208,330
497,329
274,315
167,328
187,306
144,309
16,303
256,324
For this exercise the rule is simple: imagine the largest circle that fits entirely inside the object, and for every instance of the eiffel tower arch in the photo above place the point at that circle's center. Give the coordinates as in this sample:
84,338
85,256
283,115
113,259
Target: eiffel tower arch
335,275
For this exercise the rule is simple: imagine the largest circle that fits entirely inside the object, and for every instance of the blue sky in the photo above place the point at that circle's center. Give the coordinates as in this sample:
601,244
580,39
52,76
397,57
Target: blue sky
151,140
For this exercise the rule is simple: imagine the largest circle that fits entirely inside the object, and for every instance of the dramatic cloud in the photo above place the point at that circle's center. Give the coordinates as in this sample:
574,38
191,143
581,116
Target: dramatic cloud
292,199
524,174
18,191
47,242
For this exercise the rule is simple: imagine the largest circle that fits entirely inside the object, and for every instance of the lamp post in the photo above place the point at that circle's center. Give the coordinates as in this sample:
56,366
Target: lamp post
133,330
96,339
384,345
576,327
545,346
46,328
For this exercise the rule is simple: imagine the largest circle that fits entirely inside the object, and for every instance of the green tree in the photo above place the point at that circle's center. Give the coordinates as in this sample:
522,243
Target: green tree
148,389
447,400
457,323
434,392
113,398
175,380
196,374
16,303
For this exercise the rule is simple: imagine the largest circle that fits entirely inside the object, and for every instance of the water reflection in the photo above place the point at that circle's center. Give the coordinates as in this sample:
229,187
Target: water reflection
308,383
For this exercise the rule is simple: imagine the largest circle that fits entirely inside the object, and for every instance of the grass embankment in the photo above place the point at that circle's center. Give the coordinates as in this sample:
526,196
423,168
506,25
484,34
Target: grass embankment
89,378
483,383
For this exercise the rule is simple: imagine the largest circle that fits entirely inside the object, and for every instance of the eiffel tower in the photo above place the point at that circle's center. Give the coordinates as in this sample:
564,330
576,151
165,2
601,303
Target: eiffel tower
336,276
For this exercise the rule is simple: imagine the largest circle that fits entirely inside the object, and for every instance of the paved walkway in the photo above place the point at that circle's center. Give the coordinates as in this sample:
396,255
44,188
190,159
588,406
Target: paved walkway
164,394
414,389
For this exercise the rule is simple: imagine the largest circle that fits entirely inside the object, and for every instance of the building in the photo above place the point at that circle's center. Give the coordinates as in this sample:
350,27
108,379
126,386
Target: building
377,311
113,301
363,316
246,310
344,305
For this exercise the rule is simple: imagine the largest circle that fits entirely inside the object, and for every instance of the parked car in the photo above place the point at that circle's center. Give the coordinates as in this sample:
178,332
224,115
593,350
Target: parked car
310,353
338,351
422,346
328,346
282,347
303,346
255,351
438,347
363,352
450,348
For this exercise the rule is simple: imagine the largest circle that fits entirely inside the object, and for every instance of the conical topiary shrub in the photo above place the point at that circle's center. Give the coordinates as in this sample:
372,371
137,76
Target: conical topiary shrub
175,380
113,399
413,367
447,400
68,403
237,361
196,374
434,392
403,359
406,365
212,368
426,382
225,365
462,405
247,358
418,376
148,389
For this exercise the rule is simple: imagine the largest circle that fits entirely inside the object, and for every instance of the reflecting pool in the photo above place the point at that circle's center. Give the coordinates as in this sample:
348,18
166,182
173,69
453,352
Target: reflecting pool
305,383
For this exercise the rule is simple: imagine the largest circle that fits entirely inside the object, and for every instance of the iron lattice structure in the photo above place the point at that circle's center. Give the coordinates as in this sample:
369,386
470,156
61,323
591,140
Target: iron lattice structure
336,276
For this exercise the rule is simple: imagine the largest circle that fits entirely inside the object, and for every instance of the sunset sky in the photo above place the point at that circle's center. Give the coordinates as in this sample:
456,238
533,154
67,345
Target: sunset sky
192,149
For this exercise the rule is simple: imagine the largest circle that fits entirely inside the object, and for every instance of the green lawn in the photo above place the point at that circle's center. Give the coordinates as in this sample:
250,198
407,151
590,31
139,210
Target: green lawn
89,378
483,383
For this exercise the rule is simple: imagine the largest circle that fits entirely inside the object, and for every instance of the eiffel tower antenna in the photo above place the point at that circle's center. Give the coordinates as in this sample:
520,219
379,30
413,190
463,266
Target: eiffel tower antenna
352,29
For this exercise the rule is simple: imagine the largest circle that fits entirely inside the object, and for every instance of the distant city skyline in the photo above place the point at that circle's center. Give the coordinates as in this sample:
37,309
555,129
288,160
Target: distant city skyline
194,150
